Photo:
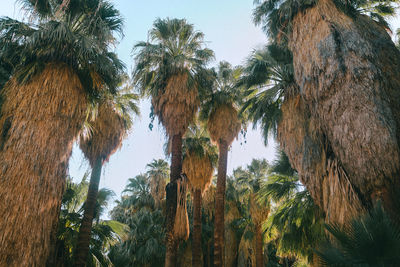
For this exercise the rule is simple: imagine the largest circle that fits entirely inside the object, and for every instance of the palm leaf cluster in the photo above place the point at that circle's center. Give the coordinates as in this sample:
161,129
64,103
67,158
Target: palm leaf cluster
295,223
372,239
78,34
267,79
276,17
104,233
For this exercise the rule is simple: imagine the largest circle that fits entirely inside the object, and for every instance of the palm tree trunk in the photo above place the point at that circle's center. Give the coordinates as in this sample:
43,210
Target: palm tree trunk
44,116
85,231
259,246
171,190
347,69
220,205
196,246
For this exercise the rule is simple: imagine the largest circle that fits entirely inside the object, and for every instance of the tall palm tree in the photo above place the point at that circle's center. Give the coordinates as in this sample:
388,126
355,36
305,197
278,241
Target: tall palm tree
220,110
169,69
250,181
199,158
158,172
64,60
342,112
108,131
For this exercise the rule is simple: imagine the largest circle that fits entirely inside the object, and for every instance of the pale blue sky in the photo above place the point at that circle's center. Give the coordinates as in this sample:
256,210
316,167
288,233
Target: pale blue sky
228,30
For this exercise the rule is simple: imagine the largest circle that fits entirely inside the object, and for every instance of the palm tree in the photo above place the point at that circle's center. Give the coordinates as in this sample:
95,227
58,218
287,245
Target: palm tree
372,239
199,158
144,245
108,130
328,116
169,69
64,60
250,181
103,232
158,172
221,113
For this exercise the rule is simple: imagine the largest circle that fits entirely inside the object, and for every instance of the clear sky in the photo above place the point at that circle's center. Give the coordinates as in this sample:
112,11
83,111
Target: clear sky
228,30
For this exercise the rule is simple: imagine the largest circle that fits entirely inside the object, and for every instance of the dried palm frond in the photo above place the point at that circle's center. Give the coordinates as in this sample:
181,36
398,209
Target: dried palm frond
199,171
40,121
108,133
224,124
177,105
301,137
181,224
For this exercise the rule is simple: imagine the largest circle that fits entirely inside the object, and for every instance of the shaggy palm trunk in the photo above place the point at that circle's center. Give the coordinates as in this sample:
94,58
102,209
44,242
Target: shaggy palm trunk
220,205
259,246
196,244
85,231
171,190
39,122
349,77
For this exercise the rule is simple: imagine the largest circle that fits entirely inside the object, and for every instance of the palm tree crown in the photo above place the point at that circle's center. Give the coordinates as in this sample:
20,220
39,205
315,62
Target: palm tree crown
220,107
77,34
170,69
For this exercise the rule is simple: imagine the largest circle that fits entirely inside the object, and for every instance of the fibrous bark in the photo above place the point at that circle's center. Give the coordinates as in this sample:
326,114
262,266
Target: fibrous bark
39,122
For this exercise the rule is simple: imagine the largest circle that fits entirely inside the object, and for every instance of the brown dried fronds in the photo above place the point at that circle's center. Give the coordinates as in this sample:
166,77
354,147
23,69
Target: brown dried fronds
224,124
208,200
181,224
177,105
247,248
301,137
199,170
42,118
108,131
231,239
259,213
353,94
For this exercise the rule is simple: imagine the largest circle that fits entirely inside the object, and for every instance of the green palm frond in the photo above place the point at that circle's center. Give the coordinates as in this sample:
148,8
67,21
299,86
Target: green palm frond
267,78
78,34
174,47
223,90
197,140
372,239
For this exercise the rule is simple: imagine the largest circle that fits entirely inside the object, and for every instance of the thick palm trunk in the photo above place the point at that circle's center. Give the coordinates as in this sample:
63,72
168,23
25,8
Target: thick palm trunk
259,246
39,122
348,73
196,243
220,205
171,190
85,231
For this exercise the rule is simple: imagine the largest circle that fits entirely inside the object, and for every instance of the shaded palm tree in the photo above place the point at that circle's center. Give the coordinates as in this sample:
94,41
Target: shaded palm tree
199,159
103,234
220,110
250,181
169,69
328,116
44,107
372,239
108,131
158,172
